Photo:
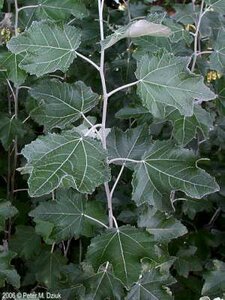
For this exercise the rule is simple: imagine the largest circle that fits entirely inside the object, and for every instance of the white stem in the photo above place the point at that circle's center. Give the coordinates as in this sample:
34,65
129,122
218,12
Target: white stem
105,105
88,60
115,222
28,6
122,87
124,159
117,180
93,128
201,14
95,220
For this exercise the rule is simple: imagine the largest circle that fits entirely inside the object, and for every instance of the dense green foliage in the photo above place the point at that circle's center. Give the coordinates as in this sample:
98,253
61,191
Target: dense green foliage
112,131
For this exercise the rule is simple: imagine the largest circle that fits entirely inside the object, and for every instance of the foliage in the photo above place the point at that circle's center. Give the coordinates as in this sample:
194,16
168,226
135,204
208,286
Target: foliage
112,136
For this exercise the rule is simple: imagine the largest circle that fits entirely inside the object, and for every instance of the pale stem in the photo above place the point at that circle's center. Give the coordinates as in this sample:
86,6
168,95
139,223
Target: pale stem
95,220
28,6
201,14
88,60
204,52
105,104
115,222
16,17
117,180
124,159
122,87
53,247
93,128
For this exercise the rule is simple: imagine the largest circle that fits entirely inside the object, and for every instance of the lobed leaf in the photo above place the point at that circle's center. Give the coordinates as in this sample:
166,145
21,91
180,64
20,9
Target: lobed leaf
131,144
66,160
123,248
47,47
59,104
7,272
165,81
71,214
61,10
152,286
136,29
166,167
161,225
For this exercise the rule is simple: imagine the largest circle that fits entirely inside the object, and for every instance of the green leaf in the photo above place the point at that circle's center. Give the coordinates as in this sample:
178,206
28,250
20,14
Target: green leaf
166,167
6,211
191,207
1,4
164,79
123,248
7,272
61,10
103,285
152,286
71,215
47,47
216,5
131,112
11,61
214,285
9,129
131,144
186,128
47,267
136,29
25,242
59,104
187,261
66,160
217,58
44,228
161,225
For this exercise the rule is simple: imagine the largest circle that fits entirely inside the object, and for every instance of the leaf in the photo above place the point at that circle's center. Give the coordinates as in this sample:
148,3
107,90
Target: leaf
123,248
186,128
59,104
47,267
152,286
1,4
131,144
131,112
7,272
216,5
6,211
166,167
161,225
56,10
187,261
136,29
71,215
47,47
11,61
25,242
66,160
9,129
217,58
164,79
103,285
191,207
214,285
